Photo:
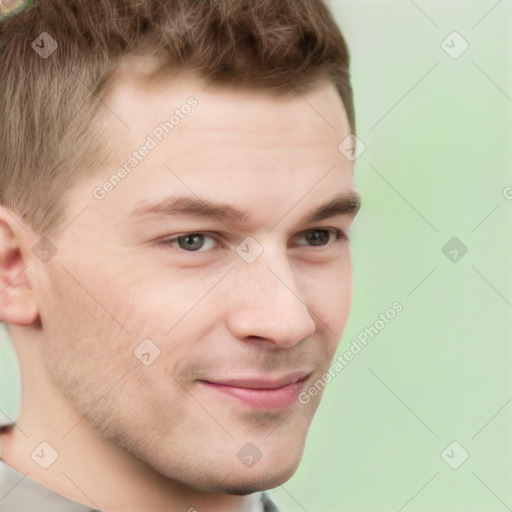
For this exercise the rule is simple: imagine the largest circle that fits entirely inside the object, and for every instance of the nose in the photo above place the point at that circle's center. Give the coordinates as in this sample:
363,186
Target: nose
267,305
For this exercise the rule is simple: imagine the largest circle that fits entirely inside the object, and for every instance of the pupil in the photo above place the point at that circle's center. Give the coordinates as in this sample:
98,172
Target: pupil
318,237
191,242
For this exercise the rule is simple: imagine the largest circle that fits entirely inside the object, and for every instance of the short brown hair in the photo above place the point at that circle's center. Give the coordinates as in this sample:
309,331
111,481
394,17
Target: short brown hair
48,104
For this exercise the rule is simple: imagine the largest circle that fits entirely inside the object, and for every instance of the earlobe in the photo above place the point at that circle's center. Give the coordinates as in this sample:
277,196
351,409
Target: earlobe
18,303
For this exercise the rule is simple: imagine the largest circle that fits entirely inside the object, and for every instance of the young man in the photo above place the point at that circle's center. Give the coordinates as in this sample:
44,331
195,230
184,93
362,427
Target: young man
177,193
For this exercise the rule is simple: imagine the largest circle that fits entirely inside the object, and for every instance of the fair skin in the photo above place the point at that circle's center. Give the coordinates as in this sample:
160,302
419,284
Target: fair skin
161,437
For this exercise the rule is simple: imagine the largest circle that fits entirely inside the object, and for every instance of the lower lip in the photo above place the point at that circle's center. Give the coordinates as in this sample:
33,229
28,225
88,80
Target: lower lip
262,398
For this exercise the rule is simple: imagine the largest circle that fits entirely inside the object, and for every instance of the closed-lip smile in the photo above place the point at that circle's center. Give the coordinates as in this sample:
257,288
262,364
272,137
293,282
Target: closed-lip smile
262,392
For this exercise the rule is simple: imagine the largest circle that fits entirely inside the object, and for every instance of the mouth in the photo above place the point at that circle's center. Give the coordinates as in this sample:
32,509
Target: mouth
261,392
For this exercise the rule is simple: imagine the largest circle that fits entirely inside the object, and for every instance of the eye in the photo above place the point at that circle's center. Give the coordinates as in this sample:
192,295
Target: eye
319,237
190,242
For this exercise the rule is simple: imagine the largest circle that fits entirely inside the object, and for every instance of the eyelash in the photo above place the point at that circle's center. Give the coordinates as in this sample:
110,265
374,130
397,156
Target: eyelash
336,233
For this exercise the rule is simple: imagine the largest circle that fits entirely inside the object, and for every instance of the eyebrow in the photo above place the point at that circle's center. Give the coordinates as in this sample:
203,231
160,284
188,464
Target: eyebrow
343,204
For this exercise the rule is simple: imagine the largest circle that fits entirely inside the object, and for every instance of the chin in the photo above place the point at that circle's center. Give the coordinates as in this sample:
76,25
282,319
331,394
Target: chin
266,474
247,483
236,479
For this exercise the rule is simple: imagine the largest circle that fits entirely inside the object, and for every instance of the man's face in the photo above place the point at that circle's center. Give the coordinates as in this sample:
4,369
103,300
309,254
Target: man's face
237,311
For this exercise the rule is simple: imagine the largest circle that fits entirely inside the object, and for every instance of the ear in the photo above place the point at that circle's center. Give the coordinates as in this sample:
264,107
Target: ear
18,302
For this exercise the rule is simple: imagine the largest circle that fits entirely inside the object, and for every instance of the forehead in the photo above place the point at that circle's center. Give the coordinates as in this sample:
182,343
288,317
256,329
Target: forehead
249,148
141,97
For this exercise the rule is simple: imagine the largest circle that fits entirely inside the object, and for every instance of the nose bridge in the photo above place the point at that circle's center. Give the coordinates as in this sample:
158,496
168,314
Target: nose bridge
269,304
275,282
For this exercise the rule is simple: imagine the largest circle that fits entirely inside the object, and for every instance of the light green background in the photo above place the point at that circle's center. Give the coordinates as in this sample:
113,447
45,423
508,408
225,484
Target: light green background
438,137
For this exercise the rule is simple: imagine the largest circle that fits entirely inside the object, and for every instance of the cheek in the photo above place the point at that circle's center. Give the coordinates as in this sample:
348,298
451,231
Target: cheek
329,294
82,328
93,320
96,299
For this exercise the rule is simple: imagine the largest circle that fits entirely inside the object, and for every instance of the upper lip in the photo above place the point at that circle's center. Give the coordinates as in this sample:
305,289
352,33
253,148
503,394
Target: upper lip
263,382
